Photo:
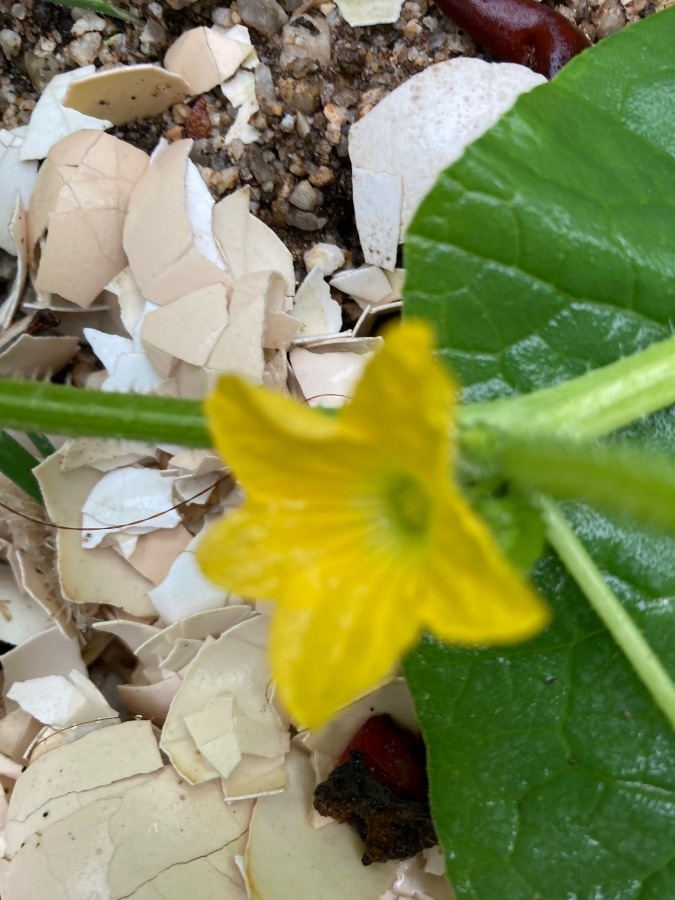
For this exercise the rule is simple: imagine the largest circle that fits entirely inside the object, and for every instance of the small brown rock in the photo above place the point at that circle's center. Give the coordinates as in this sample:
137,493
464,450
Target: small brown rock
198,124
321,176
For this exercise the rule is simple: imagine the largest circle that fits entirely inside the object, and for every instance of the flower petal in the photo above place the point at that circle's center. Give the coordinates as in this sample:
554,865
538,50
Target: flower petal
327,655
474,596
405,402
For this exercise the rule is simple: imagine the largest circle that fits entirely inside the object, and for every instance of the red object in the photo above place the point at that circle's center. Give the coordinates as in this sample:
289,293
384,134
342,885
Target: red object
395,756
519,31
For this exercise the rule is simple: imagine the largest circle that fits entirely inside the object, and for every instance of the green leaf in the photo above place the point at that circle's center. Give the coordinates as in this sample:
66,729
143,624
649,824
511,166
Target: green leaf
18,464
101,7
545,252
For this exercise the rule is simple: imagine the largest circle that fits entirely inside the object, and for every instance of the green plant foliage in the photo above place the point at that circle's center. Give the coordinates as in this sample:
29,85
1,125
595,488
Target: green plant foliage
547,251
18,464
102,8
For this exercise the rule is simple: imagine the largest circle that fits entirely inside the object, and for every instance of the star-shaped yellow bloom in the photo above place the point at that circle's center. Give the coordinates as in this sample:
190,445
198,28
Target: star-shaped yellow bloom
353,526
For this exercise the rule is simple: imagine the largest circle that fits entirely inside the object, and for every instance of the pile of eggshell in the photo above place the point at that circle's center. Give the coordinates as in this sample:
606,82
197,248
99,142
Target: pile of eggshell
176,773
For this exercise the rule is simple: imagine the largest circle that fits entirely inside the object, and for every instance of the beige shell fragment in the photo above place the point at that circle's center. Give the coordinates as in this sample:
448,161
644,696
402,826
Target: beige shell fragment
327,378
167,233
222,723
286,857
156,552
369,12
17,178
368,285
87,576
421,128
37,357
21,617
80,199
132,633
51,120
126,93
48,653
18,234
205,57
153,837
314,307
247,244
189,327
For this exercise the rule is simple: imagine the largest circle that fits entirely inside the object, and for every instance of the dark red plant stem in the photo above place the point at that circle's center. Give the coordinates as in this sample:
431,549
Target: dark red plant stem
519,31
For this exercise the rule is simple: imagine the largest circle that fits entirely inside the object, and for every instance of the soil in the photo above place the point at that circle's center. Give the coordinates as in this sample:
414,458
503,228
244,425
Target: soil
306,107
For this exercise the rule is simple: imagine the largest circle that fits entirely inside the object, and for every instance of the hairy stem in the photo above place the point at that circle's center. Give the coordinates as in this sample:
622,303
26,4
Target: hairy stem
608,607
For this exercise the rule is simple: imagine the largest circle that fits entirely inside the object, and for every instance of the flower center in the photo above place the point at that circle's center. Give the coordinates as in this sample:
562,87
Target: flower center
408,505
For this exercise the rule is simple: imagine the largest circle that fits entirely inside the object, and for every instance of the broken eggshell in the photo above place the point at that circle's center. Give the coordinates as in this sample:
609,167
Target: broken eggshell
51,120
168,235
80,200
369,12
418,130
222,723
17,178
315,309
126,93
204,58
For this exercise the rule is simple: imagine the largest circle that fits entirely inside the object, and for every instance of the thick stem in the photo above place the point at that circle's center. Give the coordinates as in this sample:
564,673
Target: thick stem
592,405
608,607
55,409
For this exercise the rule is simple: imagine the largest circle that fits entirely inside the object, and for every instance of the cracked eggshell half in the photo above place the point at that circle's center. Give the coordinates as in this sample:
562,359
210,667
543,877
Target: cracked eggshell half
168,235
68,777
204,58
100,575
151,837
126,93
421,128
286,857
51,120
222,723
80,200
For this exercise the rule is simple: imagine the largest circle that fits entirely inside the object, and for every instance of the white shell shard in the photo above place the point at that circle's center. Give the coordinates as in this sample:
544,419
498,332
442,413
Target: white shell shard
59,700
205,57
421,878
286,857
17,178
327,379
100,575
315,309
185,590
48,653
369,12
378,215
367,285
167,231
124,495
240,91
425,125
222,723
21,617
126,93
51,120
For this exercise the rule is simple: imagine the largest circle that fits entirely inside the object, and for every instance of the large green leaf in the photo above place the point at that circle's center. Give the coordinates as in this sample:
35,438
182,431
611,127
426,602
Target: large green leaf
548,250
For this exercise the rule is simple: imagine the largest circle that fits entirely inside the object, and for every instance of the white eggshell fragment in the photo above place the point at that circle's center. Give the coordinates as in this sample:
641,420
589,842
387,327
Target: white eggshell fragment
80,199
286,857
315,309
205,57
240,91
325,257
100,575
51,120
124,495
20,616
367,285
369,12
185,590
17,178
422,127
222,723
126,93
326,379
49,652
378,214
59,700
167,232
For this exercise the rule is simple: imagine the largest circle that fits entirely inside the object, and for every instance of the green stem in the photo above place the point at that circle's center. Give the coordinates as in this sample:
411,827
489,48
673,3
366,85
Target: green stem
592,405
55,409
608,607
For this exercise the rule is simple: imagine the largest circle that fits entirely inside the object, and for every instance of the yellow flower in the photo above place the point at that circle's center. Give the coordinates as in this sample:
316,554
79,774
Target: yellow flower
353,526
